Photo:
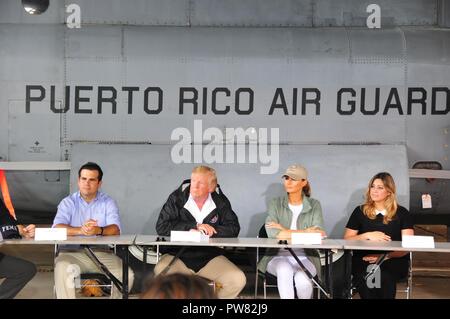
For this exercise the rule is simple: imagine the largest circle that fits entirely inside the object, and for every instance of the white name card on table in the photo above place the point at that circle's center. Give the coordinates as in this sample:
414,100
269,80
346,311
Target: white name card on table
50,234
426,201
409,241
306,238
195,236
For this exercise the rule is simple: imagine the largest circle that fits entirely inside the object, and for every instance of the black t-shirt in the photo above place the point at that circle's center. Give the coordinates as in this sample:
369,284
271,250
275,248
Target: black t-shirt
5,217
360,222
8,225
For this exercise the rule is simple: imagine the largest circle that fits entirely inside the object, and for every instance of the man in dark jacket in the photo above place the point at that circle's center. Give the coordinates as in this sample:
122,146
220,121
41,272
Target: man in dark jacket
198,207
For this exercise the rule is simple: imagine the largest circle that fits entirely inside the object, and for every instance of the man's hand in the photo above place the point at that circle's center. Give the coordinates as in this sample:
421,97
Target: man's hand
206,229
28,232
90,228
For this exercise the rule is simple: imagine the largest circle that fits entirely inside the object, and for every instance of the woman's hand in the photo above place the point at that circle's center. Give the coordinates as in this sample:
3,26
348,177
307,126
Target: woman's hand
377,236
284,232
371,259
275,226
315,229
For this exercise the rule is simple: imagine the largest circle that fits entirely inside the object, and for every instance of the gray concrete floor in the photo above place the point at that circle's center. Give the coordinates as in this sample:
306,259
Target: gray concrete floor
428,283
41,287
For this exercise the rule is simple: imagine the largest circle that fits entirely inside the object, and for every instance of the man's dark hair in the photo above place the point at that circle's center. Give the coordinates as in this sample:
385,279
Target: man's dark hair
92,167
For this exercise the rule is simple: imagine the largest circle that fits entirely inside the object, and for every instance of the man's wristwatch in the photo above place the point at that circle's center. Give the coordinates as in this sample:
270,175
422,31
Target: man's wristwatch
101,231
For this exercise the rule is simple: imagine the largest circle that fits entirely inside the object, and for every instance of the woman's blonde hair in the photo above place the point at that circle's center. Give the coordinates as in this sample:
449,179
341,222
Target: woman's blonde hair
390,203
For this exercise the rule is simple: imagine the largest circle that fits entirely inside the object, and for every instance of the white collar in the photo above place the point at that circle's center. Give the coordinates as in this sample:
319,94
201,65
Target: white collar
198,214
382,212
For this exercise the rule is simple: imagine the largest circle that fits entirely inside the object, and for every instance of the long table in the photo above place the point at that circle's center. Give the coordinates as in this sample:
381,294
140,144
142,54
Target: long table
440,247
327,245
124,241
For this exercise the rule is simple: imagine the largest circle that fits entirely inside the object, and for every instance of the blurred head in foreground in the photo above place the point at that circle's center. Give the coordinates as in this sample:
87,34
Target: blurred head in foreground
178,286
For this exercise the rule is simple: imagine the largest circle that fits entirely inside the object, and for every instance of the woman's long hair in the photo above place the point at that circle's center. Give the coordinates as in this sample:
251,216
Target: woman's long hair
390,203
307,189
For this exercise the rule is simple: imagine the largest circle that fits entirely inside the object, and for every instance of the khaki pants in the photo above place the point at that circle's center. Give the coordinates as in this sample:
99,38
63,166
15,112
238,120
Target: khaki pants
69,265
219,269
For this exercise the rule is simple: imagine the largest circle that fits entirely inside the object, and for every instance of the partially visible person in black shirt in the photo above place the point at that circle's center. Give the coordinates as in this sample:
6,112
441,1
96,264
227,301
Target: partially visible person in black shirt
16,272
380,218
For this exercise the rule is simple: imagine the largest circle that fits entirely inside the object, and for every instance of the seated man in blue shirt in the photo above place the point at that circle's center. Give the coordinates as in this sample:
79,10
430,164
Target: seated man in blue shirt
88,212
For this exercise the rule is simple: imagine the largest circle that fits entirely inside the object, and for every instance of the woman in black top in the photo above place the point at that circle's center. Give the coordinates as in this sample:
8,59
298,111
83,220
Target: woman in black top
379,219
16,272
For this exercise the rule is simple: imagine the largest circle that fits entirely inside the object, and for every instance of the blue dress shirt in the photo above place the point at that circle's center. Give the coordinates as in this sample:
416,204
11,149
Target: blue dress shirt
75,211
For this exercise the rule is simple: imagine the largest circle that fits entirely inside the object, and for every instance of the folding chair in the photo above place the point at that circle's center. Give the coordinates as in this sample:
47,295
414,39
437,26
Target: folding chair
104,283
269,280
407,281
261,234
